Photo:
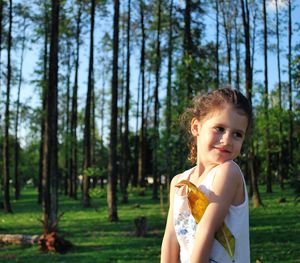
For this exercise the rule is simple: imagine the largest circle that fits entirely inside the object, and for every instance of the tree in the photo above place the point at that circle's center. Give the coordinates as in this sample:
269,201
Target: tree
87,166
248,71
266,103
142,135
280,169
112,166
50,171
25,14
6,161
126,150
72,185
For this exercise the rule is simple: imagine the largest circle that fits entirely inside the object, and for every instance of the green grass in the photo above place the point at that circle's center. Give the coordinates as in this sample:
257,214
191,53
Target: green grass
274,231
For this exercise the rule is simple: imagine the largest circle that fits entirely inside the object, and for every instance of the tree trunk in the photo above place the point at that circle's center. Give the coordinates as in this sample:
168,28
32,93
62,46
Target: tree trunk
280,162
142,141
156,179
169,96
112,167
67,131
290,93
126,150
73,159
227,29
237,49
50,171
87,128
217,46
248,70
43,115
1,18
187,48
6,162
266,104
16,146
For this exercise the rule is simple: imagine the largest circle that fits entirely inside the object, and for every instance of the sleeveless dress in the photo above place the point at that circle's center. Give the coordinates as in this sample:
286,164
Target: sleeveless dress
237,221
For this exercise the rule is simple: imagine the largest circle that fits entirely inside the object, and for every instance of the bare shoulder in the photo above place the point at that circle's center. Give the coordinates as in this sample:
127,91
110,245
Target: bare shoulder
229,171
175,180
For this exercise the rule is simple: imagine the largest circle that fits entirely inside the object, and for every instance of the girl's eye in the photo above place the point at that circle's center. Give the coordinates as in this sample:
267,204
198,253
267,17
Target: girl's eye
219,129
238,135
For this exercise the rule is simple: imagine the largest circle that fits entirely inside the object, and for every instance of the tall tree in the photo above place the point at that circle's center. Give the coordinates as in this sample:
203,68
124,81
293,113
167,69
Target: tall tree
126,150
156,105
290,96
1,18
46,24
16,143
280,169
112,167
87,165
248,71
6,162
188,47
266,103
72,185
217,46
142,135
169,93
237,48
50,167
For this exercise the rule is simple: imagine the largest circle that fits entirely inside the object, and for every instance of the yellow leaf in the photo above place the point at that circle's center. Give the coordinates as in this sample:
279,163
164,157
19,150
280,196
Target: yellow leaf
198,202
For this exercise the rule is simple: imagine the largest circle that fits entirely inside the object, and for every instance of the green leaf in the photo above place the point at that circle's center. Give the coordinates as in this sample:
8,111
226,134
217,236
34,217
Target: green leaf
226,239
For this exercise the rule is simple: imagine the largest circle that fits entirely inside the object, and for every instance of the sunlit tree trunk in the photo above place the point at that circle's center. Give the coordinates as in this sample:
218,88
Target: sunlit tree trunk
6,161
112,166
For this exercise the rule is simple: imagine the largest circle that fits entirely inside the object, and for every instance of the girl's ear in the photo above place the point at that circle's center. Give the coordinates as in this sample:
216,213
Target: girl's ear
194,127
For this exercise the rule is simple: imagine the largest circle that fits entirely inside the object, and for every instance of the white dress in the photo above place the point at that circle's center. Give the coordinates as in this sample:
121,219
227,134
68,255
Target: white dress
237,221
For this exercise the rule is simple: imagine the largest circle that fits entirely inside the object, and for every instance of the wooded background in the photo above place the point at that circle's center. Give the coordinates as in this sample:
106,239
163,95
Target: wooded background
110,80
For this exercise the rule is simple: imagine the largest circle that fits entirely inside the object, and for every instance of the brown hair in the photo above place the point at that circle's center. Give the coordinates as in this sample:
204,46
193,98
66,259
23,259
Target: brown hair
204,104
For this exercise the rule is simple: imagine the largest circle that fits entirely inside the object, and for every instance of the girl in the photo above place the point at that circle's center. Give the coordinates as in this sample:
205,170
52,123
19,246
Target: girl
218,124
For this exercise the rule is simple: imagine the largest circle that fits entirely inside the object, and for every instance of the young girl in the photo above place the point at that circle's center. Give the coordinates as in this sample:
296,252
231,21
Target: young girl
219,122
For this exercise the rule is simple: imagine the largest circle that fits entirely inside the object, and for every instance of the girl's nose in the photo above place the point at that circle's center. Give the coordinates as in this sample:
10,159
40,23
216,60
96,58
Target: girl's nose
226,138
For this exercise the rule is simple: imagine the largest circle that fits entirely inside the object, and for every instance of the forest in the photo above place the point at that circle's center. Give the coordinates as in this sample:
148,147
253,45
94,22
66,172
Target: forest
91,92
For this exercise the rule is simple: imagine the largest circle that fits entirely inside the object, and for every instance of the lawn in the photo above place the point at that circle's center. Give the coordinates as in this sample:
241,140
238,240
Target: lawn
274,231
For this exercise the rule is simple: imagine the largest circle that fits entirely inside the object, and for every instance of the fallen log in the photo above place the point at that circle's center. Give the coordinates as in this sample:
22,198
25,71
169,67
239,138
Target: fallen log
19,239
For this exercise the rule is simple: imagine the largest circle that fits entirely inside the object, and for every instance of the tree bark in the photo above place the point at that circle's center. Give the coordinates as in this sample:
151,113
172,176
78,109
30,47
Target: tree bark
87,128
6,161
43,115
112,167
73,160
50,171
248,71
290,93
266,103
280,162
217,46
126,150
16,146
156,179
142,141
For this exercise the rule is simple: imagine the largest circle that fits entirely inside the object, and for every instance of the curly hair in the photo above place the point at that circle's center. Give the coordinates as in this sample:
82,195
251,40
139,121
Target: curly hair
204,104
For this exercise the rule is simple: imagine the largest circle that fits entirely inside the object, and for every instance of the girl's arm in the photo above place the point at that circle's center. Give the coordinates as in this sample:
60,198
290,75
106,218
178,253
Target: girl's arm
170,246
226,190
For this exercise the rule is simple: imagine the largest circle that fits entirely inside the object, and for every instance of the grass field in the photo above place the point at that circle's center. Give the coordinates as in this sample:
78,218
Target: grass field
274,230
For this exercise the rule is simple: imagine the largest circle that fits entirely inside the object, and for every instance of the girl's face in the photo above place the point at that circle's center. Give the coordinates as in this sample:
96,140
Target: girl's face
219,135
